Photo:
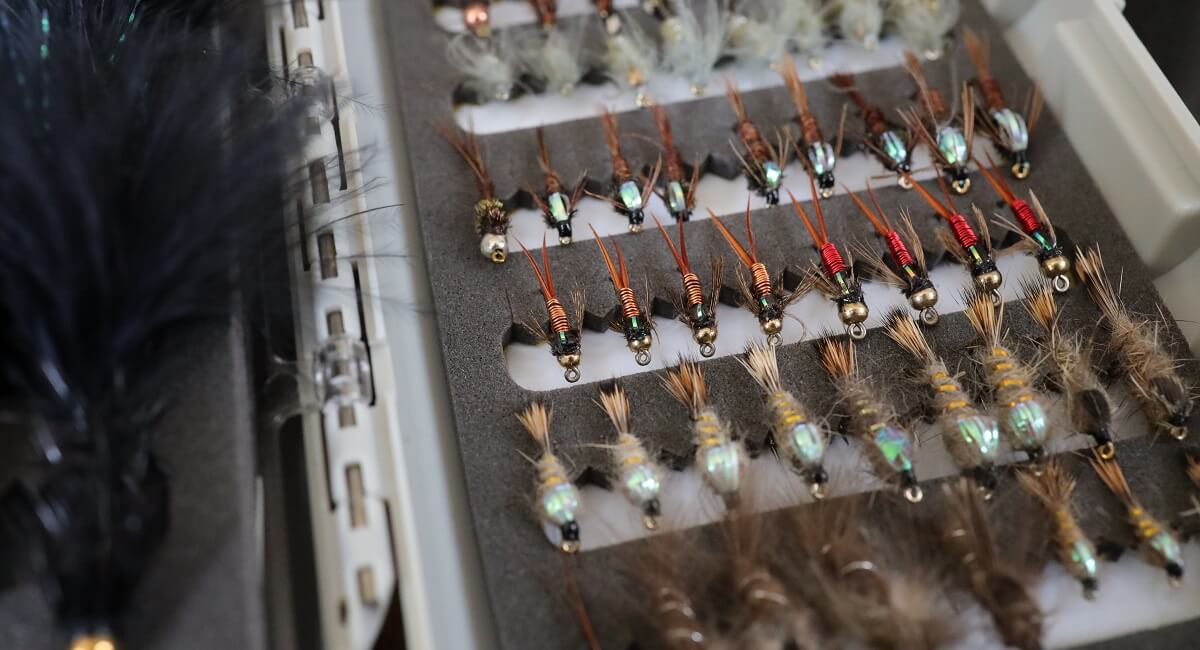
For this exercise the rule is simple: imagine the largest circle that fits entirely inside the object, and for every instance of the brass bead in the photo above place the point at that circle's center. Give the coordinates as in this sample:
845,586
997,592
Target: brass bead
1054,266
705,335
989,281
93,642
568,360
853,312
923,299
772,326
637,345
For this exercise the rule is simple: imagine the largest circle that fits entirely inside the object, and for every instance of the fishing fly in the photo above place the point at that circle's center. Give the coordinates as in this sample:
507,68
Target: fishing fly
860,21
948,134
1088,403
793,429
629,316
765,614
140,168
556,497
694,307
886,143
679,188
758,36
925,24
1054,489
675,615
971,437
1023,415
762,162
694,36
961,240
819,155
561,332
834,276
904,267
1164,398
888,446
557,206
1159,546
721,459
1008,129
1037,233
491,217
553,55
638,475
630,55
626,196
487,65
766,299
1000,586
873,587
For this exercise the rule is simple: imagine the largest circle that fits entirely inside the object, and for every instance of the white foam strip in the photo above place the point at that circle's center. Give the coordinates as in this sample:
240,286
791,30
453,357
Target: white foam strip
528,111
606,357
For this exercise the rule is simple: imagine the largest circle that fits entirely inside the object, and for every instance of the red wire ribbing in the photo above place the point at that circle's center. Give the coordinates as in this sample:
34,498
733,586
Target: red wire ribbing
832,259
1025,215
963,232
899,251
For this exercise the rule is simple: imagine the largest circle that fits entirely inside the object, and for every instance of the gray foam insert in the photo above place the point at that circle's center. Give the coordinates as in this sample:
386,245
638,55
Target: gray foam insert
477,303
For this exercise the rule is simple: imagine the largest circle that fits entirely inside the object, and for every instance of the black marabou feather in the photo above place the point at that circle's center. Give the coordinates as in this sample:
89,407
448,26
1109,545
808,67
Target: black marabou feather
137,186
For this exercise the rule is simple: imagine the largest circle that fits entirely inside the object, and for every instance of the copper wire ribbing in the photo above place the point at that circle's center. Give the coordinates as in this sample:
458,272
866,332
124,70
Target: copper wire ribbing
809,128
1029,221
874,120
558,316
937,104
756,146
900,253
553,182
963,232
692,290
760,279
673,166
629,305
832,259
992,93
621,170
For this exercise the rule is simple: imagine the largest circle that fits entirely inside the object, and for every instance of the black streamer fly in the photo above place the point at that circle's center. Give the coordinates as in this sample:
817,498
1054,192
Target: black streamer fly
139,179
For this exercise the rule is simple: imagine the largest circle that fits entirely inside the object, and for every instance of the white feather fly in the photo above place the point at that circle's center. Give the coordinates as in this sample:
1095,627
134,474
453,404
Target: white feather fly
694,38
555,56
860,21
763,31
806,20
925,23
487,64
631,57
